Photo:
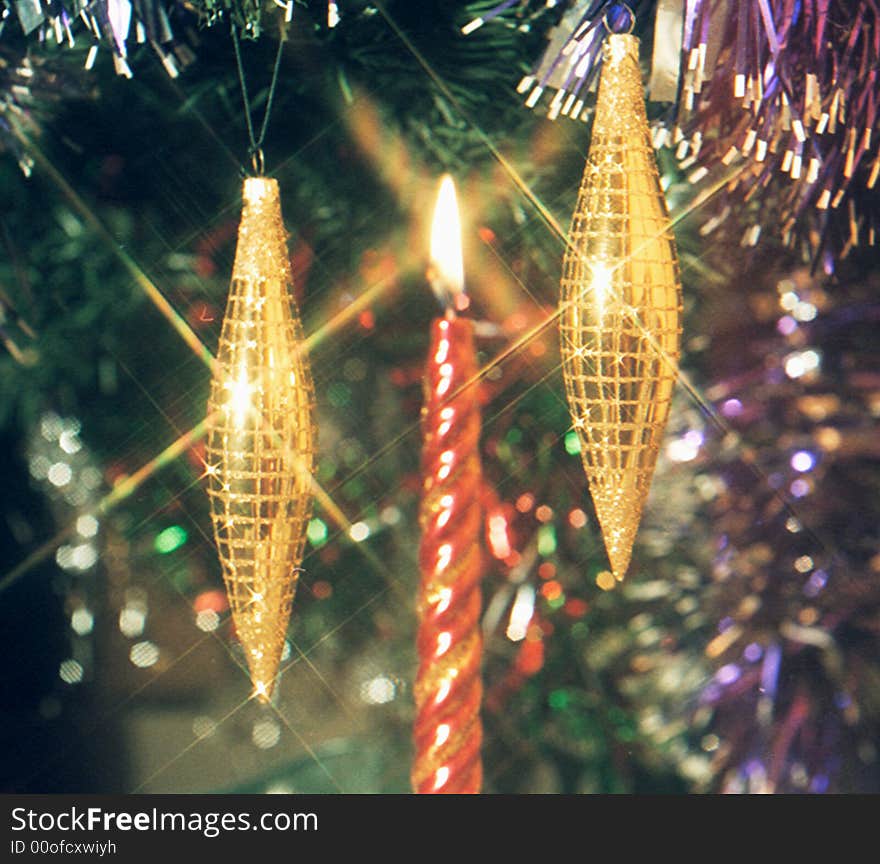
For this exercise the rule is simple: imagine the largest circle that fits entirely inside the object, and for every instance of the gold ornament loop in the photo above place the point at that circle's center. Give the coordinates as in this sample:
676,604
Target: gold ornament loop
632,20
258,162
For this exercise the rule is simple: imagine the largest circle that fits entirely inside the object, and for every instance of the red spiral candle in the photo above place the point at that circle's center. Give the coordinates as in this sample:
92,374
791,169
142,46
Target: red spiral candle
448,690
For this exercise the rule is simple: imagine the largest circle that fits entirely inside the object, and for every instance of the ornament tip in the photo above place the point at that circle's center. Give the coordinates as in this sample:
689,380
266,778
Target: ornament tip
262,692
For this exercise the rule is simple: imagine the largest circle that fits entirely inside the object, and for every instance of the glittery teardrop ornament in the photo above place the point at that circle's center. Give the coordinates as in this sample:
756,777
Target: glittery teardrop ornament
620,309
260,446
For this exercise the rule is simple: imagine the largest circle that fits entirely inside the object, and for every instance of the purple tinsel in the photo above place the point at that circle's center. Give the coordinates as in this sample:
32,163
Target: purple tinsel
777,101
790,88
113,23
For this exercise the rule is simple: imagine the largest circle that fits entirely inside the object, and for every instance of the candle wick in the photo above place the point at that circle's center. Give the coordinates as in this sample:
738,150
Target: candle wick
450,300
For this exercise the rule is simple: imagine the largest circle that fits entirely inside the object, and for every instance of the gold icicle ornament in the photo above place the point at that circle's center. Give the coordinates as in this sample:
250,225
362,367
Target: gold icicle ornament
620,309
260,446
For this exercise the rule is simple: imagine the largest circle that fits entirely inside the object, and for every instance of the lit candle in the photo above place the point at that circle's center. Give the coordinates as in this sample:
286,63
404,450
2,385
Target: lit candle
448,690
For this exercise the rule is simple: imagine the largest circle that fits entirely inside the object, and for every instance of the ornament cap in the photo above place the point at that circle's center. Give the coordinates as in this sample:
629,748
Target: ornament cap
262,240
258,189
619,47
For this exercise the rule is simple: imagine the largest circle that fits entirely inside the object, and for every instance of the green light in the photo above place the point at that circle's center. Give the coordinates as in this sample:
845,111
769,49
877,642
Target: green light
514,436
617,716
546,540
169,539
354,489
317,532
558,699
579,630
339,394
572,443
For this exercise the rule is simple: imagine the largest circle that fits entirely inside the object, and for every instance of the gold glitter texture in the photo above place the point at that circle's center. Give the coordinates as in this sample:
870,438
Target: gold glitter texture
620,308
260,445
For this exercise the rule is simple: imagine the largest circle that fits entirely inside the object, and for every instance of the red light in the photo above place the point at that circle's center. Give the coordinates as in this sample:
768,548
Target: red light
322,590
576,608
551,590
525,502
547,570
530,658
214,600
544,513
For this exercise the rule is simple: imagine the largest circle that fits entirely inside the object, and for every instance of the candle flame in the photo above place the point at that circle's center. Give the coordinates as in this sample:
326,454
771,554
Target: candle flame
447,269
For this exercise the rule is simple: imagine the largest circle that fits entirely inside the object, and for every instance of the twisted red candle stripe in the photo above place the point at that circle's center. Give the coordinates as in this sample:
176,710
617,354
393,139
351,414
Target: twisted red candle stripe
448,690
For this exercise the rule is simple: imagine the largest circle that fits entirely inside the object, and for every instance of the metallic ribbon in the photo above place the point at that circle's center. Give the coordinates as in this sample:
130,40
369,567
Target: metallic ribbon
666,58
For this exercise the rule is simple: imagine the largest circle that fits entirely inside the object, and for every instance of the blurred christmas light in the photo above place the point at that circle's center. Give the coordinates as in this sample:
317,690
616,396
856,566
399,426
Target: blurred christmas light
378,690
332,13
816,583
87,526
605,580
83,556
69,442
577,518
499,536
786,325
546,540
682,450
64,557
39,467
359,532
546,570
70,672
521,613
804,311
731,408
59,474
207,620
322,590
82,621
728,674
132,621
51,427
390,515
800,488
551,590
317,532
525,502
266,733
144,654
803,461
801,362
203,727
789,300
169,539
753,652
803,564
544,513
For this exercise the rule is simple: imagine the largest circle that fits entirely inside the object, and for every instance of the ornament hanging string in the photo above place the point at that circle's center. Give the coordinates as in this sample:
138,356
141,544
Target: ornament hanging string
255,151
